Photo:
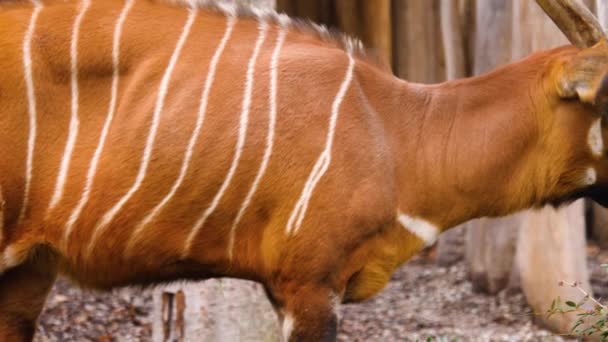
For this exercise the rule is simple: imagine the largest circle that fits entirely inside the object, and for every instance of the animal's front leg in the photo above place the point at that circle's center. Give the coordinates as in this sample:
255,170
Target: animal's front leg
23,291
308,313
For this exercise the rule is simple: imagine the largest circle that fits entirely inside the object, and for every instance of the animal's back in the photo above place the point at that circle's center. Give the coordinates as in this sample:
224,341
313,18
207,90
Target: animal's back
212,130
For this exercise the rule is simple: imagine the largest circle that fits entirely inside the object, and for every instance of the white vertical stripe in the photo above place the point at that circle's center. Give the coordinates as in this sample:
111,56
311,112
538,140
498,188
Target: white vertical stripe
195,134
74,119
272,118
31,102
106,127
160,103
297,215
240,142
2,204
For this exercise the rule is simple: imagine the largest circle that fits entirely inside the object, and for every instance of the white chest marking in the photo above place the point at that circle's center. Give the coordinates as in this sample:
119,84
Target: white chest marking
272,118
193,138
287,327
74,119
31,102
158,109
590,176
299,211
10,258
594,138
243,123
104,133
424,230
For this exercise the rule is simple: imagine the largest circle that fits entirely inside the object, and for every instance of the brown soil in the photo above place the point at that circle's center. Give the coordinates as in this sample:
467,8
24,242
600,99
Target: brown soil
422,300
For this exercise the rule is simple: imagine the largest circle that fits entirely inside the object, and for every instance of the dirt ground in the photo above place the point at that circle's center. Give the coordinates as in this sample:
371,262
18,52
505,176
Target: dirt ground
422,300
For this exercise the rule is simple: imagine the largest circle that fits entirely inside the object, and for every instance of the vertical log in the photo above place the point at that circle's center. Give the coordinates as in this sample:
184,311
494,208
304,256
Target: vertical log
490,243
449,246
452,30
378,27
369,21
490,252
551,243
319,11
418,50
551,248
599,223
215,310
601,6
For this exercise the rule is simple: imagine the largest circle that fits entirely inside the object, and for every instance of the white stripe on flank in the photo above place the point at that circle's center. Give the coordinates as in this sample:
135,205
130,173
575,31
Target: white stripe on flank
299,211
272,118
106,127
31,102
2,204
74,120
425,231
263,28
195,134
160,103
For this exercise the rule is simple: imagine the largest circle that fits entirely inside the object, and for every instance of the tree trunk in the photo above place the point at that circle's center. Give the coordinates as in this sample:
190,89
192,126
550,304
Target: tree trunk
551,243
551,248
490,243
319,11
450,244
601,6
215,310
368,20
599,223
418,42
490,252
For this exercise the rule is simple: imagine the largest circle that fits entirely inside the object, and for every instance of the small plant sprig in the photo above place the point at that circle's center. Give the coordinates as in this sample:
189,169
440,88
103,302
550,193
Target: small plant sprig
440,339
592,319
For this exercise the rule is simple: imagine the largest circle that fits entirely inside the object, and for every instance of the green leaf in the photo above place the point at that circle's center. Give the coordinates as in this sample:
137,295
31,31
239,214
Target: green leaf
553,304
576,325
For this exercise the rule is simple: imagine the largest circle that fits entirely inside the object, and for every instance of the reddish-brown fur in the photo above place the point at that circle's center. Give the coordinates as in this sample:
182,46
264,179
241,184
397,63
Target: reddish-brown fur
446,153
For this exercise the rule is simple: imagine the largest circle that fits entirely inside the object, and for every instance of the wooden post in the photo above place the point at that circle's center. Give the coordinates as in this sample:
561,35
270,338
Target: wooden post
599,223
490,243
214,310
551,243
453,32
378,27
319,11
418,49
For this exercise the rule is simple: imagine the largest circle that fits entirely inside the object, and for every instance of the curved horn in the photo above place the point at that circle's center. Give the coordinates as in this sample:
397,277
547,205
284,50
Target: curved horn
574,19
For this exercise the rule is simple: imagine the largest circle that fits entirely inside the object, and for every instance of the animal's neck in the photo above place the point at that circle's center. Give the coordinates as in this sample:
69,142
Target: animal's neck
464,149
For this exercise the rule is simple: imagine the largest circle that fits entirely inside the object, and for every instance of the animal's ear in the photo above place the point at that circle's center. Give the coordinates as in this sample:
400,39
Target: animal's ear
585,75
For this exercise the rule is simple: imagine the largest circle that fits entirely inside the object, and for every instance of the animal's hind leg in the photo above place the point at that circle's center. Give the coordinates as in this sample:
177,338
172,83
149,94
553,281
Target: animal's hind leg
23,291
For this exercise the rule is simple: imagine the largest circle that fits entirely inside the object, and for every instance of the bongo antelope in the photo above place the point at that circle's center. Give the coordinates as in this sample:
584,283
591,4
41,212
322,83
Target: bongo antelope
145,141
